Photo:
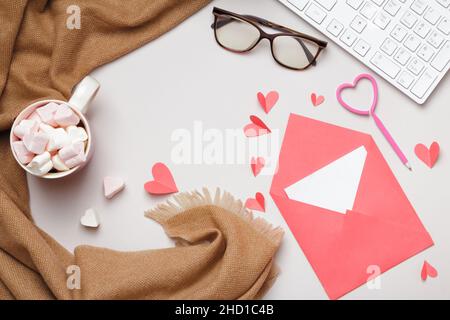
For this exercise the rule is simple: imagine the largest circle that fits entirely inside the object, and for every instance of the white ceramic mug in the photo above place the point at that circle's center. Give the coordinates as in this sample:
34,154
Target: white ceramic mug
82,96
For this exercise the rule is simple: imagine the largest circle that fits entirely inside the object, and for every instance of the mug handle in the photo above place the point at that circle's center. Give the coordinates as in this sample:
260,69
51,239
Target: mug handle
84,93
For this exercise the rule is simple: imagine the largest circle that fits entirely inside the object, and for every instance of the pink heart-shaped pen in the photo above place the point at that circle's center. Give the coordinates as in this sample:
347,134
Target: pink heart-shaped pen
353,85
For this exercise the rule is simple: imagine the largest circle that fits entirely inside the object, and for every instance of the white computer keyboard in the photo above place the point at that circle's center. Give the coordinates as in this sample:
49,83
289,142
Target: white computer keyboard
407,42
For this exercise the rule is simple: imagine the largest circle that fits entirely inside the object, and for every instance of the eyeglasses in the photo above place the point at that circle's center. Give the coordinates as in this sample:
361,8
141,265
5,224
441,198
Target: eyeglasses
240,33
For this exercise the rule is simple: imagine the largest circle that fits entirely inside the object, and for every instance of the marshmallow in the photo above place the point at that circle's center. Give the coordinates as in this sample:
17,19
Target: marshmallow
58,138
90,219
73,154
76,134
58,164
36,142
23,155
65,116
71,150
47,113
25,127
41,164
112,186
76,161
35,116
46,128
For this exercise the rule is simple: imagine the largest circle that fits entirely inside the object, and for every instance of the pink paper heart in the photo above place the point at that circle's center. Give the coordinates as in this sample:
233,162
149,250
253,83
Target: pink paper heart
268,102
428,271
256,128
428,156
163,182
257,164
317,100
257,203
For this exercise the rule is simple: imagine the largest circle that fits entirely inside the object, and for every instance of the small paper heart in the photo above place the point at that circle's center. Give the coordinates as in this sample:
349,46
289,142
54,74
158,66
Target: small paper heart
256,128
428,271
90,219
268,102
163,182
428,155
112,186
257,164
257,203
317,100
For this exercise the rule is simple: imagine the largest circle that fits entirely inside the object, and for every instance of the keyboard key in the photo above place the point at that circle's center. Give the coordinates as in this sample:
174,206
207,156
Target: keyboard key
378,2
405,79
299,4
444,26
315,13
419,6
358,24
355,4
416,66
388,46
435,39
442,58
409,19
382,20
412,42
384,64
425,53
444,3
399,33
369,10
362,48
402,56
392,7
432,16
422,29
424,83
348,38
335,27
327,4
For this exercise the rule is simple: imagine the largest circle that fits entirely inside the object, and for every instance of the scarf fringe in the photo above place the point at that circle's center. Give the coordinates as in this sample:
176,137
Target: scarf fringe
189,200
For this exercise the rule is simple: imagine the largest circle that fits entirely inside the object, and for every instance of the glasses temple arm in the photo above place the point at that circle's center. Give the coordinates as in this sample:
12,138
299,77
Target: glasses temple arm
264,22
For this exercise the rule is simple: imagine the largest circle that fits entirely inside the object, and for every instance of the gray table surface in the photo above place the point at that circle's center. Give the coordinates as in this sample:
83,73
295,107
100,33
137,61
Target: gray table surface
184,77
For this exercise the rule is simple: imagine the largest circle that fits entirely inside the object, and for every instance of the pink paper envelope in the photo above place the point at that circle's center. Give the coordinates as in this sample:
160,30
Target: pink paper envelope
343,204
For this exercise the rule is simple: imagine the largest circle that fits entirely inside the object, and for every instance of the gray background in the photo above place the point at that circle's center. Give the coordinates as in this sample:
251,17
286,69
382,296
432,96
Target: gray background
183,77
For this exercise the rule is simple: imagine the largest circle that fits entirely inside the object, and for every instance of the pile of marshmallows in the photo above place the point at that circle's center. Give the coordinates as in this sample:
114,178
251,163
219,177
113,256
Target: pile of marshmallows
50,139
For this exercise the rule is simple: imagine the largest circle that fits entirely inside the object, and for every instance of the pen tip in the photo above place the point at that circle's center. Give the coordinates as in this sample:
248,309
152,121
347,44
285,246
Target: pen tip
408,166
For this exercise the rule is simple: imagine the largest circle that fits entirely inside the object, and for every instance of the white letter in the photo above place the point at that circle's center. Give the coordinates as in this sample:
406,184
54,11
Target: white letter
181,152
74,20
74,280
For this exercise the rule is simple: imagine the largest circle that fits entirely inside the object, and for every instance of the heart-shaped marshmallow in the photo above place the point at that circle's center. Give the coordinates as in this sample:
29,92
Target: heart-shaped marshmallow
65,116
112,186
90,219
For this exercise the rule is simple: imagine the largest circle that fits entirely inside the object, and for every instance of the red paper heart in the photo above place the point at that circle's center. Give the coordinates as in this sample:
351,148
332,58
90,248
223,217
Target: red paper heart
317,100
268,102
428,271
256,128
257,203
428,156
257,165
163,183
